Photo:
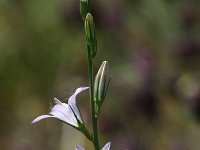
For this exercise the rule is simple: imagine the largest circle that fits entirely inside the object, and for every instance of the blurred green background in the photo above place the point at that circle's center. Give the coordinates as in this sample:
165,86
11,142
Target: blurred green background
153,48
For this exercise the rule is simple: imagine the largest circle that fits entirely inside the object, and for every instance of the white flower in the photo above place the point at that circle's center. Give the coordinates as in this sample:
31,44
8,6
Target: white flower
106,147
68,113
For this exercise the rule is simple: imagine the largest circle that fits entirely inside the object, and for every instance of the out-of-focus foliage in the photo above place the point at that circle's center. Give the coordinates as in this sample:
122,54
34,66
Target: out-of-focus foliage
153,48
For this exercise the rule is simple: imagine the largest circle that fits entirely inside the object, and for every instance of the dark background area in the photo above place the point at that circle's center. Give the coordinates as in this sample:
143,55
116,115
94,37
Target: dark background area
153,49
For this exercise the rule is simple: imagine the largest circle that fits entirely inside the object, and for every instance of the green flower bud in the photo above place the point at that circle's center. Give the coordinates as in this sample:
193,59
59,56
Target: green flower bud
101,83
84,8
90,35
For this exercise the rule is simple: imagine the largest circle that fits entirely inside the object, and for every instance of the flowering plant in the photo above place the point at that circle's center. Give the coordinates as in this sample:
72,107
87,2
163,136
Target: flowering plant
98,86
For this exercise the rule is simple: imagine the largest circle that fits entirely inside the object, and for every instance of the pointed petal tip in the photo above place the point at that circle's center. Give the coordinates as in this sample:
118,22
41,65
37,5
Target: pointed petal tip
80,89
107,146
79,148
41,118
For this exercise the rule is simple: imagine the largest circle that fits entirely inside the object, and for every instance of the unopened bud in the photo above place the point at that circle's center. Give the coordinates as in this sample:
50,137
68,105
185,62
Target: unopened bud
84,8
90,35
102,81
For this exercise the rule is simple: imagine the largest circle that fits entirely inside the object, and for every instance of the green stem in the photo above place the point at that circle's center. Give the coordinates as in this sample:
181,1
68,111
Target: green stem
92,103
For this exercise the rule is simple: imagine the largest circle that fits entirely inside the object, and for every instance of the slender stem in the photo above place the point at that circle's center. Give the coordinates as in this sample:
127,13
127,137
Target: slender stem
92,103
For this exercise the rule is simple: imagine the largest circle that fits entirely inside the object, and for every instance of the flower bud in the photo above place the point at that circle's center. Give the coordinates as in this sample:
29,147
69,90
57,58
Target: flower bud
90,35
84,8
101,83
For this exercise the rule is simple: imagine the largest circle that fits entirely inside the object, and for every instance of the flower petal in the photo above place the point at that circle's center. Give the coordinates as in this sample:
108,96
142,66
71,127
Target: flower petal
79,148
72,102
61,112
107,146
42,117
64,113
